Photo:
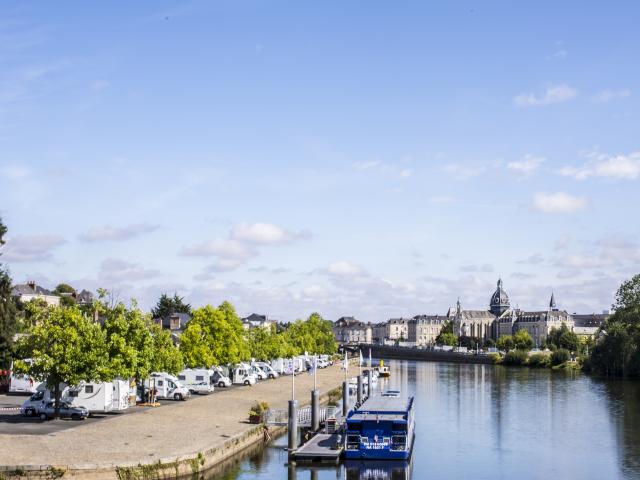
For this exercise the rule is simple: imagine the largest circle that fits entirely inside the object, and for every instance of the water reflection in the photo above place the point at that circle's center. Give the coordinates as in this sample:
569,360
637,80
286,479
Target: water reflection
488,422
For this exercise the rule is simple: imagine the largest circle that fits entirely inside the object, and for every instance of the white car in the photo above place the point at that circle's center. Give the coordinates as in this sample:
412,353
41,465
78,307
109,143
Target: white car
202,388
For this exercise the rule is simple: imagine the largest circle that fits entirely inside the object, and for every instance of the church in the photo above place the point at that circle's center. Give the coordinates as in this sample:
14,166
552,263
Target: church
500,319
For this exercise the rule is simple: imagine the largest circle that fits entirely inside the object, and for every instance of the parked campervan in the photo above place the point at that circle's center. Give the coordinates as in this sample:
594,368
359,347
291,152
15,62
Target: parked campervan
100,396
36,402
166,386
19,383
219,378
197,380
257,371
268,369
242,375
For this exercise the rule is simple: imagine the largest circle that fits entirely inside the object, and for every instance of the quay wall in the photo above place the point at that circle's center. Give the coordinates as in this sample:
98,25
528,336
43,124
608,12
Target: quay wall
409,353
175,440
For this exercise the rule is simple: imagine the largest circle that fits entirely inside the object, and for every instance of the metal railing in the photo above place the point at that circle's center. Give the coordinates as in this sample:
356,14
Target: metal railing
281,417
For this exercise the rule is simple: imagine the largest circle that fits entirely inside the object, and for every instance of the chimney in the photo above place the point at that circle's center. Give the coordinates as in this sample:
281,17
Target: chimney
32,285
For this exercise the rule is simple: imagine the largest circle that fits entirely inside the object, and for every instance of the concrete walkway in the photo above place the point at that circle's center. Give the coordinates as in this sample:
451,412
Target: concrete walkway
168,432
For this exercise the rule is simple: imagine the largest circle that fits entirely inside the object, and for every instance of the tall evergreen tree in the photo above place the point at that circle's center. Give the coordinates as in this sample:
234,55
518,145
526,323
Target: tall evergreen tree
8,319
169,305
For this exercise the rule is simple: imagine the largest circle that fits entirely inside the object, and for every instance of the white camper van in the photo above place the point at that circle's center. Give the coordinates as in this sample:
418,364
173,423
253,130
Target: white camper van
167,386
267,369
257,371
197,380
99,397
35,403
19,383
242,375
219,378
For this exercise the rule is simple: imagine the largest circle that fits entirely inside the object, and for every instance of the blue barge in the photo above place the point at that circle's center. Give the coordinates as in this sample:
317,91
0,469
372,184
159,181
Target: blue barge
383,428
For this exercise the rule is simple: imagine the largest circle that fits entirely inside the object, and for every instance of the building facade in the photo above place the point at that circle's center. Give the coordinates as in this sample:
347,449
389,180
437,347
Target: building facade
350,330
424,329
30,291
500,319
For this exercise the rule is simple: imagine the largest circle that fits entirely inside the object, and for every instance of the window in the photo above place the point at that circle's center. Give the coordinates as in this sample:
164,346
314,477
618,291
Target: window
88,389
199,378
73,393
182,377
159,383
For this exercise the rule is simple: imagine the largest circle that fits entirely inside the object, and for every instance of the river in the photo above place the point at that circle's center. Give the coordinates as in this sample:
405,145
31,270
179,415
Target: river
492,422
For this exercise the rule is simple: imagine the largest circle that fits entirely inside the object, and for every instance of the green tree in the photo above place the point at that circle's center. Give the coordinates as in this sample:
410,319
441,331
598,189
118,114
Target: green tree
522,340
65,292
505,343
165,356
314,336
617,351
447,339
563,338
64,347
8,310
169,305
214,336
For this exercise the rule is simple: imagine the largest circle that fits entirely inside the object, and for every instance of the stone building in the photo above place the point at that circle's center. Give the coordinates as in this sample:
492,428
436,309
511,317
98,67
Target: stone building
500,319
350,330
423,329
588,325
30,291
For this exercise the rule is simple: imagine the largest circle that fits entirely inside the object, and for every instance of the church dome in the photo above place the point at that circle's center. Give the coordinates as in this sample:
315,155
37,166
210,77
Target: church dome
499,300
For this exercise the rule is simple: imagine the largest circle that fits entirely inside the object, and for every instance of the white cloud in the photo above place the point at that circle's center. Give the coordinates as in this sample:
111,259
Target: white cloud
31,248
343,269
113,270
99,85
367,165
607,95
463,172
621,166
14,172
534,259
558,55
440,199
485,268
229,249
406,173
559,202
553,94
109,233
527,166
264,234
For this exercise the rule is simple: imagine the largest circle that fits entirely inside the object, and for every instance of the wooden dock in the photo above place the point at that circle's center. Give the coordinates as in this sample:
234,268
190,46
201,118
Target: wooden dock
322,448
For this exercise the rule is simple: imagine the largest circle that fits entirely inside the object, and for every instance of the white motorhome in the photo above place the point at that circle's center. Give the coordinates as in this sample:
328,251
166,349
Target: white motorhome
35,403
197,380
257,371
99,397
242,375
19,383
167,386
219,378
268,369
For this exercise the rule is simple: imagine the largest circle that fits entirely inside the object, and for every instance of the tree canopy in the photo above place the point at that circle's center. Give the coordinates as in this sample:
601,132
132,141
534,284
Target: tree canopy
563,338
522,340
617,351
8,311
64,347
505,343
169,305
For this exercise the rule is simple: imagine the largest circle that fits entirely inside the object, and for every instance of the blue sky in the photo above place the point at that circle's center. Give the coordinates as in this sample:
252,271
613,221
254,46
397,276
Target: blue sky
353,158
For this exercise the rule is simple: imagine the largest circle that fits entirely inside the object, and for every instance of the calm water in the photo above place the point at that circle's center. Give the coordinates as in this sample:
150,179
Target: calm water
479,421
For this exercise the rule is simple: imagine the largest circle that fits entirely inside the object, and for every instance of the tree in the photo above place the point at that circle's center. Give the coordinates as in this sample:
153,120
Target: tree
522,340
169,305
214,336
505,343
563,338
165,356
314,336
617,351
65,292
8,310
64,347
447,339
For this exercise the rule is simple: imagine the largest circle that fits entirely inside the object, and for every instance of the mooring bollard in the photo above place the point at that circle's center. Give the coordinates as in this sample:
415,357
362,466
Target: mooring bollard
360,389
315,410
345,398
291,471
293,425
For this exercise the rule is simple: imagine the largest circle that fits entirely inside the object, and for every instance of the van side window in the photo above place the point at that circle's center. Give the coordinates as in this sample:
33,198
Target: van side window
159,383
199,378
182,377
88,389
171,384
73,393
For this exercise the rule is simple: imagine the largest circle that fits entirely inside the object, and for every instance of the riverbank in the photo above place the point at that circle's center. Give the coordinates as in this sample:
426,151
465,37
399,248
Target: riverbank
409,353
173,440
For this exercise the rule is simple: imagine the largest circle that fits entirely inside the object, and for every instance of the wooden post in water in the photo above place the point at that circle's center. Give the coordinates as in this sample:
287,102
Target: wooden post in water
367,374
360,388
293,425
